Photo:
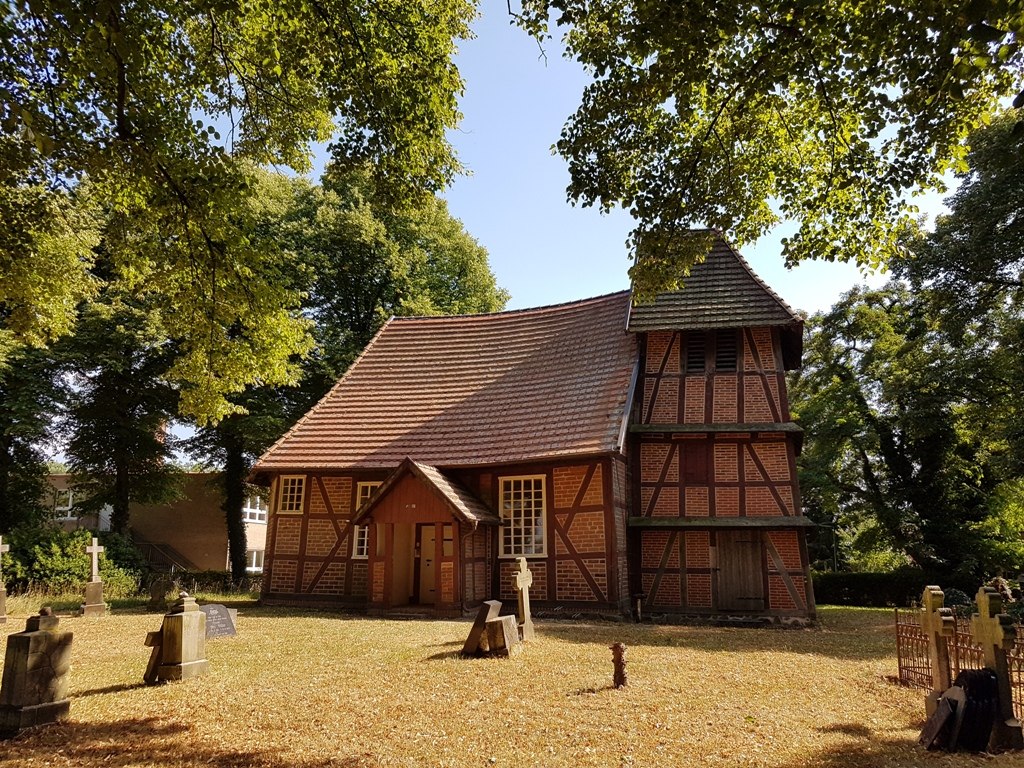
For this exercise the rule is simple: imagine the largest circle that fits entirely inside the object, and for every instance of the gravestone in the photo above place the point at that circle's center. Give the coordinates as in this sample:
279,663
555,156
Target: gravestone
942,730
938,625
179,646
503,636
3,589
94,605
35,682
477,635
524,580
220,621
994,631
158,590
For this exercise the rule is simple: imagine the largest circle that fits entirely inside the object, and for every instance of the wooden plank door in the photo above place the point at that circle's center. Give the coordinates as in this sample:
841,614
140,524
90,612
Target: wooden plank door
740,572
426,548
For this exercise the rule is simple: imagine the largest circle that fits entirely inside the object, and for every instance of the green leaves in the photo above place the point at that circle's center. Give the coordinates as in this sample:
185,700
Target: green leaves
732,115
160,110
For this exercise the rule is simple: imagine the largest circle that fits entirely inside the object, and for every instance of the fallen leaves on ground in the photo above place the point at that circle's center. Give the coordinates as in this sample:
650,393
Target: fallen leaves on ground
316,689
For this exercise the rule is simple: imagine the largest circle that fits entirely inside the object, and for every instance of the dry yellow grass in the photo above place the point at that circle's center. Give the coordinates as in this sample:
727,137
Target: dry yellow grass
312,690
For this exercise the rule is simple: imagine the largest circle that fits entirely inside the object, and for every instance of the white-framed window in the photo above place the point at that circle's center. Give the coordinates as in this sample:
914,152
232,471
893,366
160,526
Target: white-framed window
63,503
254,509
523,516
254,560
290,494
361,534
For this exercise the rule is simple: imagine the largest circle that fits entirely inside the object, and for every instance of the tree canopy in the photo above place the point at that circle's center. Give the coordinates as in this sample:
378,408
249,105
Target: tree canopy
734,115
909,395
163,109
357,261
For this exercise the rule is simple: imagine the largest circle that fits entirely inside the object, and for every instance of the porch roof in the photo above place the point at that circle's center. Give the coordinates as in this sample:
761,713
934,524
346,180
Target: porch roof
461,501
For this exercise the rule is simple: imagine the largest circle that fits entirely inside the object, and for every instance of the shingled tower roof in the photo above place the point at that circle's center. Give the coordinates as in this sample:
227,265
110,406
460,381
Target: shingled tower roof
474,390
721,292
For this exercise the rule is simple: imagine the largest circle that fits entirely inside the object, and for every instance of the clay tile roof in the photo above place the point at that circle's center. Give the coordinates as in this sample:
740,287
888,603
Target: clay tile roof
465,505
474,390
721,292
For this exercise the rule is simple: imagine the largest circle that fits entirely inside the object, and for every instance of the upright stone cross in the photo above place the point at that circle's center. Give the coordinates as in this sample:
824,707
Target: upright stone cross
524,579
95,551
938,626
994,631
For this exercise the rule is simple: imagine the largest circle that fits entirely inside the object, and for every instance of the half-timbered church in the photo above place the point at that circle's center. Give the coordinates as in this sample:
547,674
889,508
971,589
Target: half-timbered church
629,452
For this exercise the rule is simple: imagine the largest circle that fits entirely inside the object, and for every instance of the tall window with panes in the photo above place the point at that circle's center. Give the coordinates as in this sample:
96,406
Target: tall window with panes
361,535
522,516
290,497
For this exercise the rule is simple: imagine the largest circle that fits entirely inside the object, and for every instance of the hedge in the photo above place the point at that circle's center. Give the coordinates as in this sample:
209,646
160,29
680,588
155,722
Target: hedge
897,588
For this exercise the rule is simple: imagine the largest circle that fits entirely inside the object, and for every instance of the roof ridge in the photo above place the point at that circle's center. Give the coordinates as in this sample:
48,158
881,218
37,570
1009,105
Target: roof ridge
305,417
524,310
757,278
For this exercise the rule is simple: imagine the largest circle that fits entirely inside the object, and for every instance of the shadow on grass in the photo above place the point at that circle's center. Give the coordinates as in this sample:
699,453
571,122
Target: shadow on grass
868,639
868,752
151,742
119,688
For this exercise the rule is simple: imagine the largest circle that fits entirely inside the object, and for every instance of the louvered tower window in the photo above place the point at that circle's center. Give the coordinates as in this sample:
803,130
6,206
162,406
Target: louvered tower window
695,347
725,350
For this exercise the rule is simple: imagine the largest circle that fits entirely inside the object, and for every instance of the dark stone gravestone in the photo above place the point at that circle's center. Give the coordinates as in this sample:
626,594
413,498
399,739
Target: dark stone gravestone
220,621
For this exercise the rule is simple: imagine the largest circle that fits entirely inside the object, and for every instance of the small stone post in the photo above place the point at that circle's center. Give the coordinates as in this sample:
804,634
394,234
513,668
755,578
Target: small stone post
938,625
3,589
180,645
94,605
35,682
994,631
524,580
619,677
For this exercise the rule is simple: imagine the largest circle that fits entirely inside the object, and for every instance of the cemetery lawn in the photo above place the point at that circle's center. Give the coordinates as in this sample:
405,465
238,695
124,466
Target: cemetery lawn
315,689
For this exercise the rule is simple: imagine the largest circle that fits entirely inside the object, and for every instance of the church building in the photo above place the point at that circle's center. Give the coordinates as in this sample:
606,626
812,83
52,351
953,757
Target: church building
631,452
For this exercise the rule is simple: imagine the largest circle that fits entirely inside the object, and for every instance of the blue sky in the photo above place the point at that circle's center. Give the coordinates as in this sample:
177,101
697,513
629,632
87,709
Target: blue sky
542,249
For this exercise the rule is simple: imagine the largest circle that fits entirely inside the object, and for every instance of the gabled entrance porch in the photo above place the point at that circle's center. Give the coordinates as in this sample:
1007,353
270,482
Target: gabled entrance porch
430,543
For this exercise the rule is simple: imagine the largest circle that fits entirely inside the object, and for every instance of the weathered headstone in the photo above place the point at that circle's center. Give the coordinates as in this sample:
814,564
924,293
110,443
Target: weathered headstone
619,678
524,580
938,625
220,621
94,605
179,647
995,632
3,589
158,590
937,729
503,636
489,610
35,682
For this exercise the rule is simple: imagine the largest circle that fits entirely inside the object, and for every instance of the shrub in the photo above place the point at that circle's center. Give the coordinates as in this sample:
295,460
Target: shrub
900,587
54,561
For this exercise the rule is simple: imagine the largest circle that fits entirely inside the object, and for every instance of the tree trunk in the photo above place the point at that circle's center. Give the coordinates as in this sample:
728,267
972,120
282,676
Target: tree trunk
6,463
120,516
235,471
